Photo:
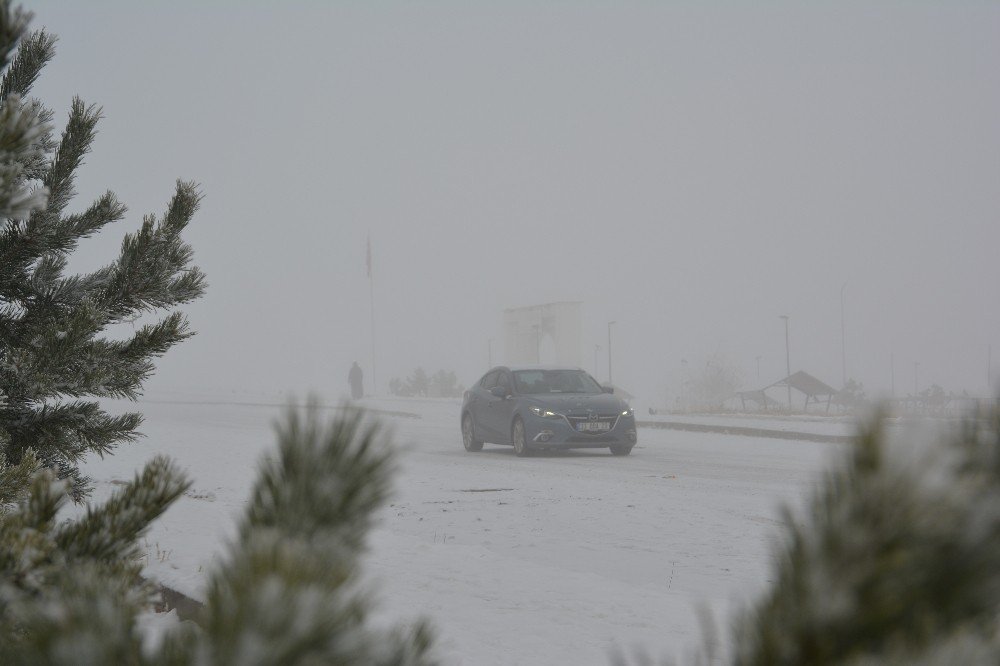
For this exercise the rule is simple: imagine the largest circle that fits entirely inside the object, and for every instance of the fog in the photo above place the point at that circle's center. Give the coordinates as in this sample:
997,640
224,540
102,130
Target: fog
690,172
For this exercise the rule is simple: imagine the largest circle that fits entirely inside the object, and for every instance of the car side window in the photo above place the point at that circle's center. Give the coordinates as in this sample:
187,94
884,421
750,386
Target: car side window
490,380
504,381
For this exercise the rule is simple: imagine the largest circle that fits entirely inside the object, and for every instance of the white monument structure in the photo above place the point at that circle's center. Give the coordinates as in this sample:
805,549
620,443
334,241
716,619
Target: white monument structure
548,334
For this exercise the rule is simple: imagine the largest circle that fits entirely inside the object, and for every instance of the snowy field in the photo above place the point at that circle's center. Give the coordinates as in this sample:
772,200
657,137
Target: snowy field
559,558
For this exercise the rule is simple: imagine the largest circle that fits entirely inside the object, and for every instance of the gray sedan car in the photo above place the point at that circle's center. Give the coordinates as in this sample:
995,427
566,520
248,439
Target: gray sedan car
545,408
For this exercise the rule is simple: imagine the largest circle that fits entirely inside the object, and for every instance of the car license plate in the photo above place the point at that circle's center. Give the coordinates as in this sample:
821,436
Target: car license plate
593,426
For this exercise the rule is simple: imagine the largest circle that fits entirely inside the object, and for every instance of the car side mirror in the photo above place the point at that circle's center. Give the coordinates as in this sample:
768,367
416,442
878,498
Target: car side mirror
499,391
608,389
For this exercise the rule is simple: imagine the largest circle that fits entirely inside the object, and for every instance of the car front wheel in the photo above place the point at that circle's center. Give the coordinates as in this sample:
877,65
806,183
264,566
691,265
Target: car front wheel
520,443
469,435
621,449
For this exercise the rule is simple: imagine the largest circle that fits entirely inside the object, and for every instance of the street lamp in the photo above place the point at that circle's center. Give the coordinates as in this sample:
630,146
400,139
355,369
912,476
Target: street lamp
684,383
597,348
609,353
538,344
788,362
843,340
892,374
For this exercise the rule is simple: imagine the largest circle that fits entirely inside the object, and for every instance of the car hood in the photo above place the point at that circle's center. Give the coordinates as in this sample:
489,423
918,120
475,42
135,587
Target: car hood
576,402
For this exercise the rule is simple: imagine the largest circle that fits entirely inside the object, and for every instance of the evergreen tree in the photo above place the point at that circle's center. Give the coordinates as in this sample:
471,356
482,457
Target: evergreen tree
444,384
288,591
418,383
24,139
852,397
897,561
53,345
71,590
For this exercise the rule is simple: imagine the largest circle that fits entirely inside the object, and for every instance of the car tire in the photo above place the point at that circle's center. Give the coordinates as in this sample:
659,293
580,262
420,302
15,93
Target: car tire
519,438
621,449
469,435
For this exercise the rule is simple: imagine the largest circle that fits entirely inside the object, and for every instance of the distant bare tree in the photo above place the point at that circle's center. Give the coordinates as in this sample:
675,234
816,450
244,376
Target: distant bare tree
708,387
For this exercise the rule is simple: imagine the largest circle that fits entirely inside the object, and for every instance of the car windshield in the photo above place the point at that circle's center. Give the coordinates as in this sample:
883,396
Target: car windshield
554,381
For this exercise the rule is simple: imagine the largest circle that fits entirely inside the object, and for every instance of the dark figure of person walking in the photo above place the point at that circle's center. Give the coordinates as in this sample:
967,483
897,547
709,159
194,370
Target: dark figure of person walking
356,379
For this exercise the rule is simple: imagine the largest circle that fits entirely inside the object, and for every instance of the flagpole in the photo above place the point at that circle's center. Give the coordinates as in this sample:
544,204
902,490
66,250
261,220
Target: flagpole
371,293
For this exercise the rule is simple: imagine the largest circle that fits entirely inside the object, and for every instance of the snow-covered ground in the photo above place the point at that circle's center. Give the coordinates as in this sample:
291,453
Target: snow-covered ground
554,559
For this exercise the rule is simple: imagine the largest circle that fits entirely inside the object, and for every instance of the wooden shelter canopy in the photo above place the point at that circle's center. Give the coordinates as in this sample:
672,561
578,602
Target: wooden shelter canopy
806,383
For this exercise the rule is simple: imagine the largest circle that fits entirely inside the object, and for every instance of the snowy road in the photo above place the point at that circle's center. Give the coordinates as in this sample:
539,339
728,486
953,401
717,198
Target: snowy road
554,559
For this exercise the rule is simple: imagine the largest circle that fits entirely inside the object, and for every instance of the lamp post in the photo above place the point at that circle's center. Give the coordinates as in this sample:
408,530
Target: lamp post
538,344
843,340
892,374
597,348
788,362
610,382
684,382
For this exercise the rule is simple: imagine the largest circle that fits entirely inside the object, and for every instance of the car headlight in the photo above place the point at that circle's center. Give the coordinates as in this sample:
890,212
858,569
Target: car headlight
627,411
544,413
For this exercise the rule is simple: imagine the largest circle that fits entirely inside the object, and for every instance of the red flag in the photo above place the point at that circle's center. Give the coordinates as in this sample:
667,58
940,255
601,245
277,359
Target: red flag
368,256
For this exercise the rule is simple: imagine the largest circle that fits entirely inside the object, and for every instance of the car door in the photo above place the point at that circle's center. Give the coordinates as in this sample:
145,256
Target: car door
499,411
479,404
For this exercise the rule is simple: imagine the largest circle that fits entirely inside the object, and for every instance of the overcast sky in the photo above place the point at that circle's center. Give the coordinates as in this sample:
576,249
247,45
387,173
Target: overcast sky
689,170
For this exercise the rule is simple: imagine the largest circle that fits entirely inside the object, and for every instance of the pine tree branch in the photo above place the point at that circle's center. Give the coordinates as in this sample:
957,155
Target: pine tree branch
48,269
45,497
83,615
110,532
67,431
27,552
61,599
152,340
182,207
47,352
32,301
33,53
13,23
297,551
67,232
21,131
35,164
62,359
153,268
324,479
15,480
76,141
